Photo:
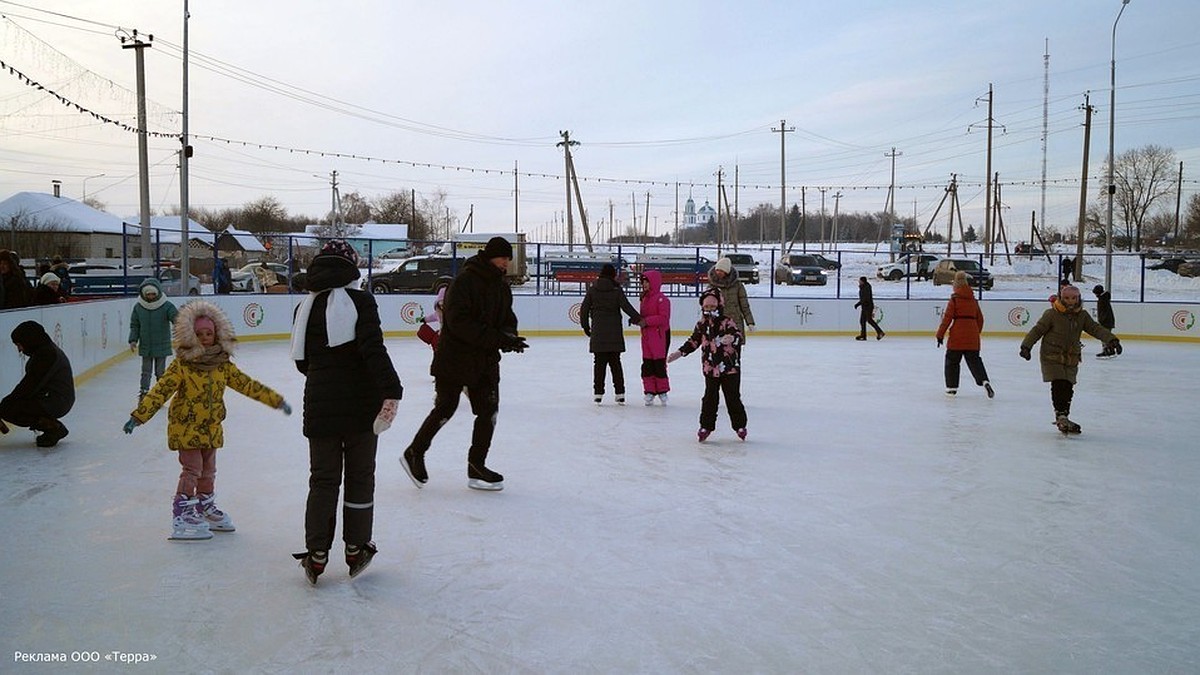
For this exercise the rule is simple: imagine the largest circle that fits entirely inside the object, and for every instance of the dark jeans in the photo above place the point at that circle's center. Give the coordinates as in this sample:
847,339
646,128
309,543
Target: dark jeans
864,318
158,364
26,412
954,357
714,387
484,396
1061,393
602,362
329,458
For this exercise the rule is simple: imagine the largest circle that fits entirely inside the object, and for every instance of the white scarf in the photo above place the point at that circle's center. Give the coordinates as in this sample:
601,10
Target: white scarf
340,319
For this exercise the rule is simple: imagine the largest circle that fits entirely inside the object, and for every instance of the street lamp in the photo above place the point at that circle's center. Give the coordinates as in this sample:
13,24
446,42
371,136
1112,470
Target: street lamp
85,180
1112,125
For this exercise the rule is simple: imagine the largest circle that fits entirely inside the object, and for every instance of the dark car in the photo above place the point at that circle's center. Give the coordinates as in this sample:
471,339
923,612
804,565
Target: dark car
1171,264
977,275
420,274
746,266
1028,249
826,263
797,268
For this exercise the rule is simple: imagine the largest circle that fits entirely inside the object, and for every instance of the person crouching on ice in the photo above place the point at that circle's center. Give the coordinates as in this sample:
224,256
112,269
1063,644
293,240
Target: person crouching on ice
195,383
719,341
1059,330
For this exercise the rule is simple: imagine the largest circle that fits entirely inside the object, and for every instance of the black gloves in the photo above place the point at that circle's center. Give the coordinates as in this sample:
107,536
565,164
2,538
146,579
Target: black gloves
1115,345
512,343
1026,353
939,342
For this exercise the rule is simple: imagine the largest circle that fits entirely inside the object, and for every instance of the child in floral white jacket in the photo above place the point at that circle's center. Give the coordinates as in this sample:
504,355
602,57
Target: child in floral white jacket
719,341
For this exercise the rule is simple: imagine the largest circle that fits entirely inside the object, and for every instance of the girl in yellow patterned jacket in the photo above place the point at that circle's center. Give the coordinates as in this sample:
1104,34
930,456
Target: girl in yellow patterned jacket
195,383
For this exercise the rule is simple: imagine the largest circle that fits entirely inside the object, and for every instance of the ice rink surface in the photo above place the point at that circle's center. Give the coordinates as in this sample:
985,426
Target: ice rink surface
868,524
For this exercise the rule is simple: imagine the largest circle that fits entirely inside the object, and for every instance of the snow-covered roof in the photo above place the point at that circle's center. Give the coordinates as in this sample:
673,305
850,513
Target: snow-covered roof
385,231
246,240
60,214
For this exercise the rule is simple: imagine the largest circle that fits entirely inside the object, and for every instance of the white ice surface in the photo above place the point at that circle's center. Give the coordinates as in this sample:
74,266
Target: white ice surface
869,524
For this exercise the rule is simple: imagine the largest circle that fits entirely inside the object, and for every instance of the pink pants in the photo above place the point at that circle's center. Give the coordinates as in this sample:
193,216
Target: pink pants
199,471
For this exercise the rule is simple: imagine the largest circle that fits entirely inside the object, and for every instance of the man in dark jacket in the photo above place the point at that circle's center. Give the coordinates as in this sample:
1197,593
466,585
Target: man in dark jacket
46,392
15,290
866,307
600,318
351,394
477,324
1105,316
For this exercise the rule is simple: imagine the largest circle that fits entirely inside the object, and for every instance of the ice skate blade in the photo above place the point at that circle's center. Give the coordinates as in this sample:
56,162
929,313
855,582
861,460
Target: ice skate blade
478,484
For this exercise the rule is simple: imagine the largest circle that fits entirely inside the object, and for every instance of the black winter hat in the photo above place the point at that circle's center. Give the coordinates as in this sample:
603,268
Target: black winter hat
608,271
1098,289
498,247
29,334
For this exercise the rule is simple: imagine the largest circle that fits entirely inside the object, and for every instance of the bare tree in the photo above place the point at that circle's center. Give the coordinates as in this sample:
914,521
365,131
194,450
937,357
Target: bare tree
1191,218
355,208
1143,176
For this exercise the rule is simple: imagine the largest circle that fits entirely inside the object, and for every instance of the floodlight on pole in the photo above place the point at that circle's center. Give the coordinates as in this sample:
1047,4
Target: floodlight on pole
1112,126
85,180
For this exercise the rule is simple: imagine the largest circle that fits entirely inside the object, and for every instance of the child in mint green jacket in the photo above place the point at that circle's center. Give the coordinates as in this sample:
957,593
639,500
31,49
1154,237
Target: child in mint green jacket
150,328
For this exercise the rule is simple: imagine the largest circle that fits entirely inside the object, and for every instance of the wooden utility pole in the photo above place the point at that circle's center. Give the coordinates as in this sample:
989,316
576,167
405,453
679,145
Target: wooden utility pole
566,144
783,131
891,199
822,247
1083,189
836,200
139,47
1178,200
987,223
516,200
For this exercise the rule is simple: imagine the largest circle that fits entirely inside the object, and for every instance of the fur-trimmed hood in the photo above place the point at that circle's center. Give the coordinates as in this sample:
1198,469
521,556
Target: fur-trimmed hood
187,345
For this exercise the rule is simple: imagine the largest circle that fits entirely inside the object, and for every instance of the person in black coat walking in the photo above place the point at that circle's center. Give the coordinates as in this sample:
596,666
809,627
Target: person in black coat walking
351,394
477,324
1105,316
47,391
866,307
600,318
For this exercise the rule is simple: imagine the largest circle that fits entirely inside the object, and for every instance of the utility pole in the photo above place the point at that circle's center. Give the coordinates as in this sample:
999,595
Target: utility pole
891,205
783,131
736,180
822,249
836,199
336,227
185,153
1178,199
516,200
135,43
566,144
1083,188
987,214
720,190
646,222
1045,132
675,240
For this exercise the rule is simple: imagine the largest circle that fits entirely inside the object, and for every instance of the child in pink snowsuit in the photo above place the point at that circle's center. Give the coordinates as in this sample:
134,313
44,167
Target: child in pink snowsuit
656,336
430,329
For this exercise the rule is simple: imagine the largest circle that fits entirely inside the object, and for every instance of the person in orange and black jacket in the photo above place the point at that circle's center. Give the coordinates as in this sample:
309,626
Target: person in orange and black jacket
963,319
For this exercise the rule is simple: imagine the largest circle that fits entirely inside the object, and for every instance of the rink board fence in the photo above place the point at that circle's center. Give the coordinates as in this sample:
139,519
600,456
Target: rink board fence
94,334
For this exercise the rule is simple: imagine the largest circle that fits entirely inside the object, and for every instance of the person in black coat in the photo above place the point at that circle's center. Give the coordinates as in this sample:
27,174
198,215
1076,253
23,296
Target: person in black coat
866,310
477,324
47,391
600,318
1105,316
351,394
15,290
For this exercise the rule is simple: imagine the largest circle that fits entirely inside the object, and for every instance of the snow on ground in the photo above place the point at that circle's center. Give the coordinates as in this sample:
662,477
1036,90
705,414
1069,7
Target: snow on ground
869,524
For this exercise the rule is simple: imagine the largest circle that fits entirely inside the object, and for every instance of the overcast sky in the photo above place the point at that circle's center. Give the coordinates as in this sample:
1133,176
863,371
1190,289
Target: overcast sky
657,93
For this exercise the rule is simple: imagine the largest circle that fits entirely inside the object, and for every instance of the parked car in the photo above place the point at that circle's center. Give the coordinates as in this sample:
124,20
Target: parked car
827,263
243,277
1028,249
1191,268
1172,264
800,268
398,253
919,265
978,275
417,274
746,266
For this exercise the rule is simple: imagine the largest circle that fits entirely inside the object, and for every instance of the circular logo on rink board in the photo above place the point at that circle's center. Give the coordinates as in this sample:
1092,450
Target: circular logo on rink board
877,314
104,331
58,335
574,312
253,314
1018,316
411,312
1183,320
